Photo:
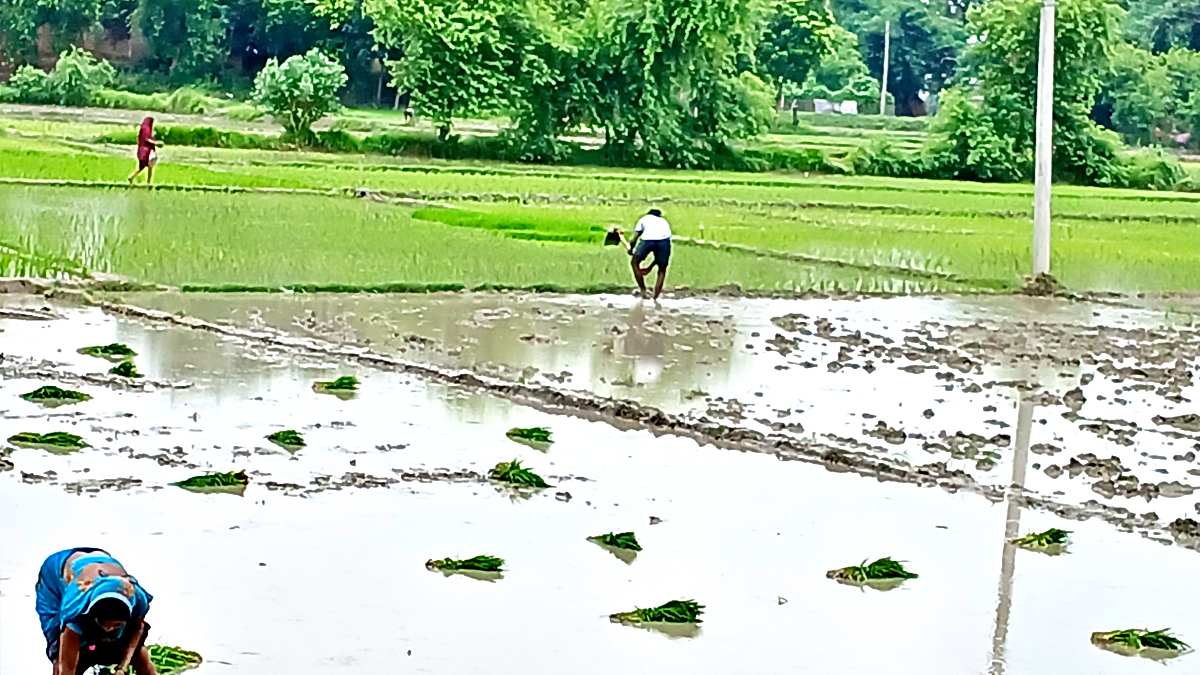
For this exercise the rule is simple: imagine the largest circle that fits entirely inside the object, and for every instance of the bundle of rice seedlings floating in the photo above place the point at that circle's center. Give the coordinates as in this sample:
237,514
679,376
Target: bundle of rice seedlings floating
1141,641
675,611
169,660
883,574
1052,540
624,545
112,352
233,482
59,442
537,437
51,396
288,439
125,369
343,387
515,474
484,567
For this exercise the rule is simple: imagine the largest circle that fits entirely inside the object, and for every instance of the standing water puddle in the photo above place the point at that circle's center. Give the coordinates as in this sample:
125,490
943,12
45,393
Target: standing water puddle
320,566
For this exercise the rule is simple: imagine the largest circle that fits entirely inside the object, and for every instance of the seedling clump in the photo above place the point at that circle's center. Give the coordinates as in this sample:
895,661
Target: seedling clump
625,541
345,383
58,440
168,660
1042,540
675,611
51,395
113,352
534,434
289,439
512,472
884,569
480,563
1139,639
125,369
215,480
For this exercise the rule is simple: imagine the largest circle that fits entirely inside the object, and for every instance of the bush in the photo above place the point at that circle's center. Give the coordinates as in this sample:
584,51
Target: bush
76,79
881,157
30,85
200,137
1153,170
300,91
874,122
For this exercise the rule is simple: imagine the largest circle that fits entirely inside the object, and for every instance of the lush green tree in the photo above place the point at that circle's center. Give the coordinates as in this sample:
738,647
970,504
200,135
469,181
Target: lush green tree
798,35
75,79
67,19
926,43
300,91
1183,103
1160,25
669,89
187,38
459,56
843,75
1133,98
995,139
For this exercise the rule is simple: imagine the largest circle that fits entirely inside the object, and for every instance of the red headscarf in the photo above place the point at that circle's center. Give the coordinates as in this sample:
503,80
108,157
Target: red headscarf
146,132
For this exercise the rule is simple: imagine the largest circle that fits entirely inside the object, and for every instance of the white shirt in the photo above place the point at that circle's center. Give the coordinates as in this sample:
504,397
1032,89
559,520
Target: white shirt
653,228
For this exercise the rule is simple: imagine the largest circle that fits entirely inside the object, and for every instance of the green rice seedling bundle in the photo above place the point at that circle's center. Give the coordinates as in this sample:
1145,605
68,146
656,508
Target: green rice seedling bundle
479,563
55,440
125,369
515,474
1049,539
535,434
166,660
112,352
288,439
1136,640
882,570
52,396
675,611
625,541
346,385
233,481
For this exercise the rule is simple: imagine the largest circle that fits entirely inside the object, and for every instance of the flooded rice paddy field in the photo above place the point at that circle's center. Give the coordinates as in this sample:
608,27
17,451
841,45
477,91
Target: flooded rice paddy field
319,566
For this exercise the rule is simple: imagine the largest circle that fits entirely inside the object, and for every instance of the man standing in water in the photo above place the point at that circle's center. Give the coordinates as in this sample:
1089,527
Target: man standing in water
651,235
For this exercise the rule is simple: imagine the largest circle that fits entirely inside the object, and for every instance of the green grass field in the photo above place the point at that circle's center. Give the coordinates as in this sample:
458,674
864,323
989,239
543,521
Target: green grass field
525,226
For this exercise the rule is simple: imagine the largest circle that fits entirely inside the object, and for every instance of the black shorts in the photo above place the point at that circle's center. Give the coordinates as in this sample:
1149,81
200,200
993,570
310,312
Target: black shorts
661,248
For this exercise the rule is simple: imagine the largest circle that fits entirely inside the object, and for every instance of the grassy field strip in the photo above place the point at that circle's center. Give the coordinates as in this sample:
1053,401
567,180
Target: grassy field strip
976,283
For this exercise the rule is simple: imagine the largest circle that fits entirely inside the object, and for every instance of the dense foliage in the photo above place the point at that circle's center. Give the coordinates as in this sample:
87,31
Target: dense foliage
300,91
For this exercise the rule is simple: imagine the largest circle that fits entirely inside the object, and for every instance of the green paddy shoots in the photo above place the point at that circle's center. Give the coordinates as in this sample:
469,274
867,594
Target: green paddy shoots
1043,540
515,474
232,479
884,569
480,563
288,439
1139,639
344,386
675,611
55,440
51,395
534,434
112,352
125,369
625,541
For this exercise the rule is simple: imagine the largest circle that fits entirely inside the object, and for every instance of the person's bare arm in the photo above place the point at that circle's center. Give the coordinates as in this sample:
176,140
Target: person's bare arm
68,653
633,242
142,665
131,653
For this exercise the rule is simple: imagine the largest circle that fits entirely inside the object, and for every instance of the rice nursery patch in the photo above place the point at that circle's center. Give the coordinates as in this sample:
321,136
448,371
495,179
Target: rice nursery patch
515,474
675,611
54,396
60,441
479,563
288,439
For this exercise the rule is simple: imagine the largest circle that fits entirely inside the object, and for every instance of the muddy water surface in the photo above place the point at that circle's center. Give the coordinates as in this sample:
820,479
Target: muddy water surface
319,567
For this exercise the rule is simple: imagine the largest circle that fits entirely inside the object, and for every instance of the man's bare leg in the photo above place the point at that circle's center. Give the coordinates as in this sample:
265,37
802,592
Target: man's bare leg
638,276
133,176
149,174
658,283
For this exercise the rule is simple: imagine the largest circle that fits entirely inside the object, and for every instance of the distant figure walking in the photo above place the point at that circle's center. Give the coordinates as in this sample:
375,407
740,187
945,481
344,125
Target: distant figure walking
652,235
147,151
92,613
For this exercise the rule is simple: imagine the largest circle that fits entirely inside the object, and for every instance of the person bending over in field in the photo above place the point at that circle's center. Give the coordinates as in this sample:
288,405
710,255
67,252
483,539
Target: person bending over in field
652,235
93,613
147,151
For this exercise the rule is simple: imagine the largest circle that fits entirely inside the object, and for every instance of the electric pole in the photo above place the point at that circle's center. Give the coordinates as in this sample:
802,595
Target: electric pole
1044,161
887,53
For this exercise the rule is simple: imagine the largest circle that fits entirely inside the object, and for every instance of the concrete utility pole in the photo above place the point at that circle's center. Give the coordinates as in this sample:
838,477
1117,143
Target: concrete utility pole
887,54
1045,142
